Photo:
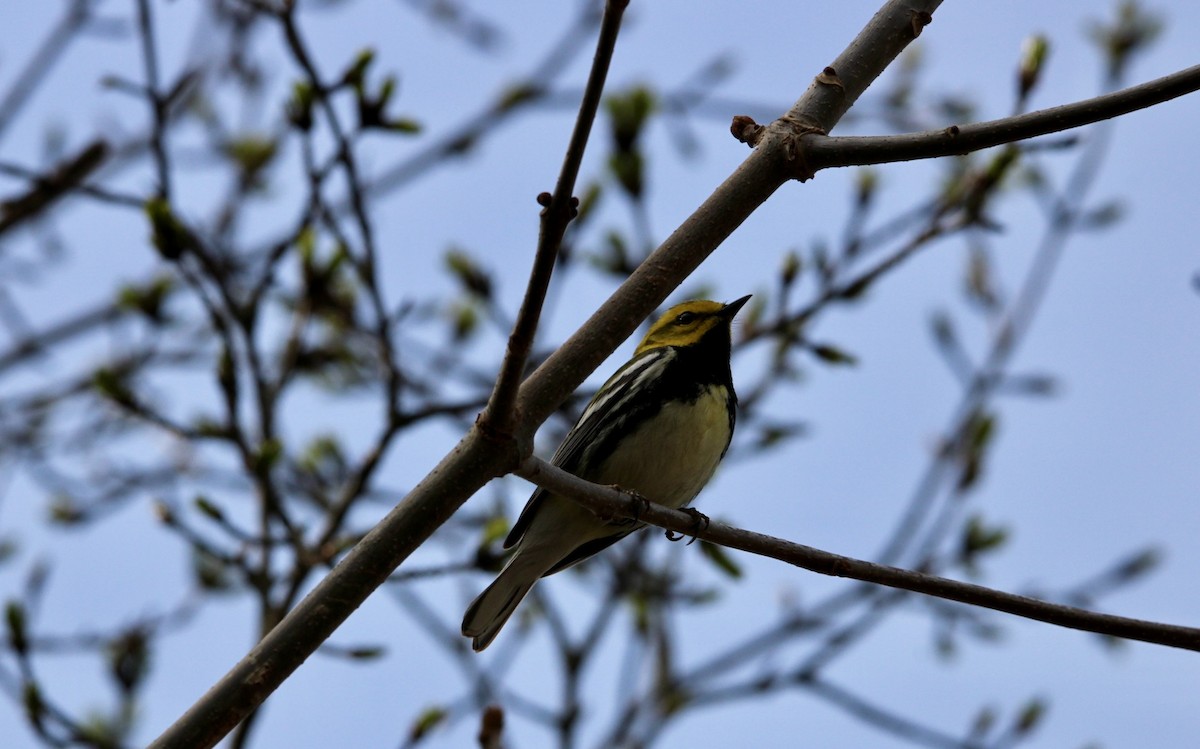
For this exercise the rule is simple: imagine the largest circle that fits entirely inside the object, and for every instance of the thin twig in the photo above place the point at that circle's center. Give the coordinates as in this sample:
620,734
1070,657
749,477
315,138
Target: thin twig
557,212
158,108
51,50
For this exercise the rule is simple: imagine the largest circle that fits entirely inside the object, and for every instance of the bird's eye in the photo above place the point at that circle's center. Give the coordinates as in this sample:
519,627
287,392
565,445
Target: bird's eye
685,317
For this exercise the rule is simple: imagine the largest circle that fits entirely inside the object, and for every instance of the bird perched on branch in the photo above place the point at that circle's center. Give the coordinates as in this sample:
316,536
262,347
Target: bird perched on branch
659,427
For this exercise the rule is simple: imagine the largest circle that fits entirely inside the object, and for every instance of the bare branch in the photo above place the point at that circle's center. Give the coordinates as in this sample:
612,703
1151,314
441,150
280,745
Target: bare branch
65,31
609,502
823,151
558,210
756,179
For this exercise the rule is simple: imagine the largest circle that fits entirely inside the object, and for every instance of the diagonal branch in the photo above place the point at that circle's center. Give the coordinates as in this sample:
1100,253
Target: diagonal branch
822,152
74,18
609,502
772,164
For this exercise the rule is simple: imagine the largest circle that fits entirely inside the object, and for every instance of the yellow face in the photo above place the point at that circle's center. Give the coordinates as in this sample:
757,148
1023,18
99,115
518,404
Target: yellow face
685,324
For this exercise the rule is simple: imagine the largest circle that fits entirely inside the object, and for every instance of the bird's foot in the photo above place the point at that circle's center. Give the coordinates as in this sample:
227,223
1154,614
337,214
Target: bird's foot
639,502
700,522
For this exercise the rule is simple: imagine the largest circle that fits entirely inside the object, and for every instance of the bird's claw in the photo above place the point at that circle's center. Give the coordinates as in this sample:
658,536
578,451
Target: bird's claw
640,505
639,502
700,522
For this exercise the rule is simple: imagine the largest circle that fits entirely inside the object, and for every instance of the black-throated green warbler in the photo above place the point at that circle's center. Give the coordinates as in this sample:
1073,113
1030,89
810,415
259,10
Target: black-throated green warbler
658,427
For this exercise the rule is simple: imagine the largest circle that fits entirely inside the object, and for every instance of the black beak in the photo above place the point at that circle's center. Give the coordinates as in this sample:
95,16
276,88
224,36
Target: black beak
730,310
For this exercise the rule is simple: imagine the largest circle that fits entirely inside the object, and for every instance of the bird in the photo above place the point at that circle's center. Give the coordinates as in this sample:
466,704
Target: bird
658,427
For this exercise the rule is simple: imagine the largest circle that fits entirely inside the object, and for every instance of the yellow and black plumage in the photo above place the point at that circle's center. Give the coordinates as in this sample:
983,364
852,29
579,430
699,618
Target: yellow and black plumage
659,426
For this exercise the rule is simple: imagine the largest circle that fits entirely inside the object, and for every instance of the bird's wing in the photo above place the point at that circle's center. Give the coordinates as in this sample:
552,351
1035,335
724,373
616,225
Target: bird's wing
607,405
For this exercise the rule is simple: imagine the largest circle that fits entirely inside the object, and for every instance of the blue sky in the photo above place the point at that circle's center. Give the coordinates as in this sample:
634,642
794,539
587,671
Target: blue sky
1107,467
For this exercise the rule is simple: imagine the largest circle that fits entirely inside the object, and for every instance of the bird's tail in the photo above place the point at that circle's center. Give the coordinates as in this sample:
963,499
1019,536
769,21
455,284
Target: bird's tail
491,609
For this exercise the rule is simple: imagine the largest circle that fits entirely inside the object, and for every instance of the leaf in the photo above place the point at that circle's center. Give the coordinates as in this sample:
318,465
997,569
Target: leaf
519,94
113,385
720,558
1101,217
163,513
357,72
770,435
673,699
985,719
210,571
974,439
1042,385
206,507
1034,51
429,719
404,125
1139,564
628,113
1031,715
324,459
35,706
978,537
628,167
354,652
14,620
944,333
366,652
251,153
473,278
495,530
980,430
168,234
268,455
614,257
1130,32
866,182
299,106
65,510
792,266
979,284
206,426
99,730
588,203
147,300
464,321
129,659
832,355
820,261
856,288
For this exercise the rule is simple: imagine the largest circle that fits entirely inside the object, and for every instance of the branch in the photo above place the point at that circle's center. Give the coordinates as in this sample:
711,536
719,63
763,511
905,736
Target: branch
608,502
771,164
49,52
49,188
822,151
558,210
34,344
873,715
475,460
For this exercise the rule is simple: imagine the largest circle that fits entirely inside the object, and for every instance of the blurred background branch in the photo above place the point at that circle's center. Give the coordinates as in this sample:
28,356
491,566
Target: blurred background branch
257,268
